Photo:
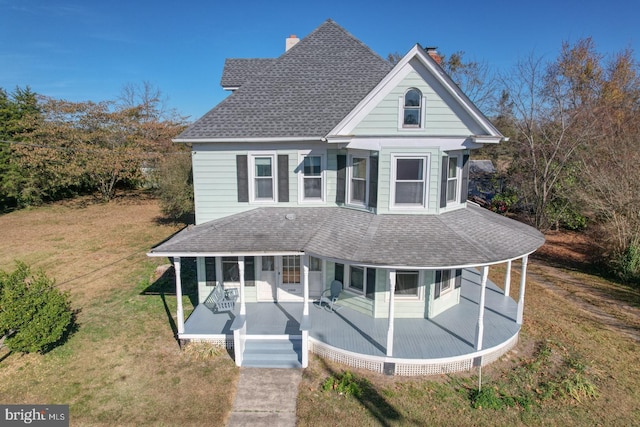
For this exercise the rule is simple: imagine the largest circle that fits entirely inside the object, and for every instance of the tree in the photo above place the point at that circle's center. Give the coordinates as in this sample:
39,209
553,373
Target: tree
34,315
549,131
175,184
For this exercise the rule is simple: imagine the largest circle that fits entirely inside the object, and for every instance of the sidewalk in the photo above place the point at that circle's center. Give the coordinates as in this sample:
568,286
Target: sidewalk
266,397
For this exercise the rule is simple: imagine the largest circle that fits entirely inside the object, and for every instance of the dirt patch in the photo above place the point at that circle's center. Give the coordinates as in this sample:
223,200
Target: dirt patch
559,266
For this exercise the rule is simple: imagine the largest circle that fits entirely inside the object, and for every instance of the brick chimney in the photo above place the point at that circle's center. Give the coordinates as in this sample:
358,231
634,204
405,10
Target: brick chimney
433,53
291,42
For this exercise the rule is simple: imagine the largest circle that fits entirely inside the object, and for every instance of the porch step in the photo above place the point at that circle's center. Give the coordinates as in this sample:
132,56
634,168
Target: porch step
272,353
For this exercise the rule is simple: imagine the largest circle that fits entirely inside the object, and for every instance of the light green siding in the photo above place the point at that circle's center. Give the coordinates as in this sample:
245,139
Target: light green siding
444,117
215,180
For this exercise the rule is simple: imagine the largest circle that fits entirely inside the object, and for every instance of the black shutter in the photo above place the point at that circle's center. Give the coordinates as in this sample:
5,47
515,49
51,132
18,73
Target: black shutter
283,178
458,281
373,181
342,178
436,291
339,273
465,179
371,283
443,182
242,175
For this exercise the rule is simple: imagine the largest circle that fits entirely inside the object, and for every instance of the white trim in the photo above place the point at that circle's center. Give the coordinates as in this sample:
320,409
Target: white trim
423,112
252,155
235,140
358,155
459,156
377,143
401,69
323,176
426,171
420,295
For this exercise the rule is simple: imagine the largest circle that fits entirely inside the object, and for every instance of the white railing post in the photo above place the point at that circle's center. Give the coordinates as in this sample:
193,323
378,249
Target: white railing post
180,309
243,307
523,281
392,290
483,291
507,279
305,284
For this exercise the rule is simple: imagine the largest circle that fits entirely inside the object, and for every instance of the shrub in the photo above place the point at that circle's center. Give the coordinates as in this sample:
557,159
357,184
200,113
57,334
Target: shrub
344,384
626,265
34,315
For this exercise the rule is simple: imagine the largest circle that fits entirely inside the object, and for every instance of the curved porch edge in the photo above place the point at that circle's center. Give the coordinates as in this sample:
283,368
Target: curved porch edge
413,367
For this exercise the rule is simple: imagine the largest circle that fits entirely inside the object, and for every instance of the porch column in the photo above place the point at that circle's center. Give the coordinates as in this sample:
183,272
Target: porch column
305,284
483,291
523,280
392,291
507,279
180,309
243,307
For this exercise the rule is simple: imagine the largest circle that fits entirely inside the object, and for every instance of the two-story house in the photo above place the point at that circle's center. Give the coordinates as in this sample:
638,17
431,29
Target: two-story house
329,164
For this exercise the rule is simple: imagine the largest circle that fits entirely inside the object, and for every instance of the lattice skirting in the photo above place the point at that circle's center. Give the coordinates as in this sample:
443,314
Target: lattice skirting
401,367
223,341
411,367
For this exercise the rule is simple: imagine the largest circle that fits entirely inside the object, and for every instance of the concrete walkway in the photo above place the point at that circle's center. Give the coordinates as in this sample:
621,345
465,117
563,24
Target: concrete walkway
266,397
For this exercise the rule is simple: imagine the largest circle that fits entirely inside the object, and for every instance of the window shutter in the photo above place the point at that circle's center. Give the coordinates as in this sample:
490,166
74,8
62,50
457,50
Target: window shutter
242,177
339,273
443,182
342,178
436,291
373,181
283,178
371,283
458,281
465,179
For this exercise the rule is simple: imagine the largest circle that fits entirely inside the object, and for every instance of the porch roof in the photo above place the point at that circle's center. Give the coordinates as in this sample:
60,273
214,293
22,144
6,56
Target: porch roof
469,236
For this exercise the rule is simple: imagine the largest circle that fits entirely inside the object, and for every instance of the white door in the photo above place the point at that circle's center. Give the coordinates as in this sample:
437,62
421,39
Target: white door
267,281
290,278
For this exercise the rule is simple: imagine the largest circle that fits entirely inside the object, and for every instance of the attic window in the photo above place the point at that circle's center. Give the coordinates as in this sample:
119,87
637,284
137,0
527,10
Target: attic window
412,109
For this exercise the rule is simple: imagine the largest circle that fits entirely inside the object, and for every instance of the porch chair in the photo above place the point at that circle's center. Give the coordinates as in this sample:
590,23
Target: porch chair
331,295
220,300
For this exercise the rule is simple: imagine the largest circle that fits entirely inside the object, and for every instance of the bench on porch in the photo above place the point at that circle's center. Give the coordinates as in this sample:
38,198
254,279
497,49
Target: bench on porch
220,300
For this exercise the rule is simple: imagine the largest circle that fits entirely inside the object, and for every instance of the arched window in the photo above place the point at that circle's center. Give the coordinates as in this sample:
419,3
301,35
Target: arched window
412,108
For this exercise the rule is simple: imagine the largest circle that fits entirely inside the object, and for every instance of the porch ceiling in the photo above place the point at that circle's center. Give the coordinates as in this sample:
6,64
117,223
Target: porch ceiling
464,237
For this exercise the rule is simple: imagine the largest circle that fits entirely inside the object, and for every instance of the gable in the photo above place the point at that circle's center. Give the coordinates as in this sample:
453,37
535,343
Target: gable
448,112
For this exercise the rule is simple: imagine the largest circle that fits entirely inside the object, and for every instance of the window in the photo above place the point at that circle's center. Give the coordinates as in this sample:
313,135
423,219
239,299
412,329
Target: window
446,280
263,178
268,263
210,271
312,171
358,179
412,117
453,174
410,181
231,271
363,280
407,283
291,269
315,264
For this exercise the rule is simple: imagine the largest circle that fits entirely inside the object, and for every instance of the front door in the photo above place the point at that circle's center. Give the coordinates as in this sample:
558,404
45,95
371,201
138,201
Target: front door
289,278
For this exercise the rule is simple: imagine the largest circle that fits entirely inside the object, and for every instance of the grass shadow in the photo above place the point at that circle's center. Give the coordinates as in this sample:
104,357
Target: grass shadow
165,284
385,413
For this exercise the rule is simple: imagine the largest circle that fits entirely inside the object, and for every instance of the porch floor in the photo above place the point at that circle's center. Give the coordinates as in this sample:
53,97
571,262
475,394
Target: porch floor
451,333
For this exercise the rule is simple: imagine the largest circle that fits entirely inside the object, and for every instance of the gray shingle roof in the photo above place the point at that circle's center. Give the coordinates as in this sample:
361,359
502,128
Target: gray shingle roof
469,236
238,70
305,92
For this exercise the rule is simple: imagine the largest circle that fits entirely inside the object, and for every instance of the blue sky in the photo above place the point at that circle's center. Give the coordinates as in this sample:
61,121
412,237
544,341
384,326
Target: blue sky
88,50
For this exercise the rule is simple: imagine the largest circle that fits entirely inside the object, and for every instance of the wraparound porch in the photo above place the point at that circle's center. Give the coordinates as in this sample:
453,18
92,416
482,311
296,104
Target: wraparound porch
445,343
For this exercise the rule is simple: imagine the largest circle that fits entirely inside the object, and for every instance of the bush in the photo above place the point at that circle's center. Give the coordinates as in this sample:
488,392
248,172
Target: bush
174,185
626,265
34,315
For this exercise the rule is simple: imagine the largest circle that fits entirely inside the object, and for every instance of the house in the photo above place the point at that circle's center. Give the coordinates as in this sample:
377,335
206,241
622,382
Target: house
330,164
